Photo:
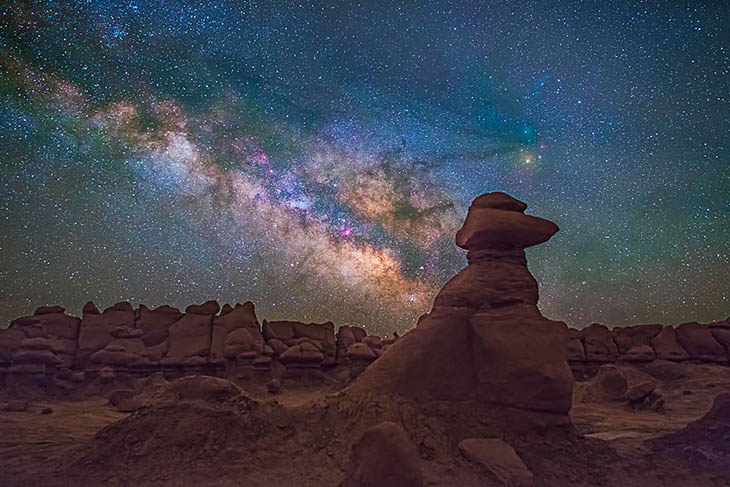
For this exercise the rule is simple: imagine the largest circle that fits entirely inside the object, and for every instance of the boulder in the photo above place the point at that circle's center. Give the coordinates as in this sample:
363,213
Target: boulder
359,352
189,337
204,388
599,344
628,337
155,323
96,329
520,360
207,308
499,228
242,317
384,456
303,354
499,459
345,337
667,347
639,353
44,310
699,343
609,384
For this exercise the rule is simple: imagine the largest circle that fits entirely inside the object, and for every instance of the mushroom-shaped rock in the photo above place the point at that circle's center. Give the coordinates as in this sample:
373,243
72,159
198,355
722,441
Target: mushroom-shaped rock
303,354
44,310
207,308
485,340
496,221
384,457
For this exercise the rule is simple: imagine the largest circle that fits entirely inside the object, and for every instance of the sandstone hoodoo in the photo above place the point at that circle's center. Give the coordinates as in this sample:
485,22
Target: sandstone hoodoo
485,341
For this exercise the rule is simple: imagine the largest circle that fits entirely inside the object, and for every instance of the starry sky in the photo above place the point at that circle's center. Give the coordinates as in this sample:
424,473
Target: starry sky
318,157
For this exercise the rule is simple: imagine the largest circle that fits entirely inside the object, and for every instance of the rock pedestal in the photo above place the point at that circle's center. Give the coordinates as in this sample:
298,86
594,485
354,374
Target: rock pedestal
485,340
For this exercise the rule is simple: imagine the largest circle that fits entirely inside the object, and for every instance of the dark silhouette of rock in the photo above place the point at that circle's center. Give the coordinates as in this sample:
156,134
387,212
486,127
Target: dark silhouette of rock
207,308
44,310
384,456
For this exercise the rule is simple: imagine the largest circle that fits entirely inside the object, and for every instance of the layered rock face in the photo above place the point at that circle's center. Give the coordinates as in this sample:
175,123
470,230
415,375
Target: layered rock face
52,347
596,345
484,340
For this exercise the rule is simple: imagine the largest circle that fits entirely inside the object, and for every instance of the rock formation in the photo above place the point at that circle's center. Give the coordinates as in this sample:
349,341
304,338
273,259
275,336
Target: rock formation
485,341
54,349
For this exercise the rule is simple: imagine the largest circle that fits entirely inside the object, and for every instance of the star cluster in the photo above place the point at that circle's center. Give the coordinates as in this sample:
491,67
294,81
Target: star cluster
318,157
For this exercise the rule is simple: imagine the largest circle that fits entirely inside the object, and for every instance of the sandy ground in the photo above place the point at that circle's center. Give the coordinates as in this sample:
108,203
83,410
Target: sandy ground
32,441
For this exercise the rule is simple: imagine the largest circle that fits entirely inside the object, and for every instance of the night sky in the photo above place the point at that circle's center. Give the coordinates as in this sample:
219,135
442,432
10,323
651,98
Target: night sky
317,158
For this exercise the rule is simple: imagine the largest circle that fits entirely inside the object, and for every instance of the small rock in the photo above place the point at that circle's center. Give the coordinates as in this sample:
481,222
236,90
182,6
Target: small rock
384,457
500,459
46,410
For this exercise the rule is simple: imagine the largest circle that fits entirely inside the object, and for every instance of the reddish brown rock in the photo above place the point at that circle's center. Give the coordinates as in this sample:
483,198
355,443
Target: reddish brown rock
304,354
721,332
358,333
484,340
207,308
96,329
704,442
322,335
243,316
44,310
189,338
360,352
667,347
495,222
533,377
627,337
499,459
155,324
384,457
599,344
699,343
576,352
345,337
90,309
10,339
639,353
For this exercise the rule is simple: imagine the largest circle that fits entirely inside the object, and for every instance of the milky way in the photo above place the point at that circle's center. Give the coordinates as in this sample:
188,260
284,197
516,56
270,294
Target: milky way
317,158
